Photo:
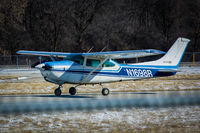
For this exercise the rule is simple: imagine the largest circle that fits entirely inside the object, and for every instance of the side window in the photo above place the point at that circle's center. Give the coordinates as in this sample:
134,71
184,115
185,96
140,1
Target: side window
108,64
92,63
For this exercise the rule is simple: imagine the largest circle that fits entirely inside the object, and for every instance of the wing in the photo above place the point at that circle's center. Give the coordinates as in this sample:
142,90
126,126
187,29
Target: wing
43,53
98,55
124,54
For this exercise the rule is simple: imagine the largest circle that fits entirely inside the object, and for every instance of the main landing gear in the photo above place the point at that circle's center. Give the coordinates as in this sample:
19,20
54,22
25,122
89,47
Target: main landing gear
105,91
72,91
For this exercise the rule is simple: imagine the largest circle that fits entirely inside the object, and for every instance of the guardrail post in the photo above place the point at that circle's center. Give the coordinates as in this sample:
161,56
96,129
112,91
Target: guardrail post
193,58
17,61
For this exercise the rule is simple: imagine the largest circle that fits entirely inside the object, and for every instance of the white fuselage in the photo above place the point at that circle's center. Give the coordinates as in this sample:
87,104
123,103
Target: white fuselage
75,73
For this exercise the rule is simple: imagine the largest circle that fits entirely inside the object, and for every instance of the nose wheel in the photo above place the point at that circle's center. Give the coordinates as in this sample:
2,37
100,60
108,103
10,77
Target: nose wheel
58,91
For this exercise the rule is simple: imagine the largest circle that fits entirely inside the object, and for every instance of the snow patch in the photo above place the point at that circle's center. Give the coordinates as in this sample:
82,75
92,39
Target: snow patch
20,78
19,71
106,120
189,70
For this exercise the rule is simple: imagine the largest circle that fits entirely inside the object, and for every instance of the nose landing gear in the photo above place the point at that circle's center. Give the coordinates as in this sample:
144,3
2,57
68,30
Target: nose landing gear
58,91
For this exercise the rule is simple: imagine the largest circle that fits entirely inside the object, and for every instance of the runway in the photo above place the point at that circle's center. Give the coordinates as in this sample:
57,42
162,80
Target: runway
10,104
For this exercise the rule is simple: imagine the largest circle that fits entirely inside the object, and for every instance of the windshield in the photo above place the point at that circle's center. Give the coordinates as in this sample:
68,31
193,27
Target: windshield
76,59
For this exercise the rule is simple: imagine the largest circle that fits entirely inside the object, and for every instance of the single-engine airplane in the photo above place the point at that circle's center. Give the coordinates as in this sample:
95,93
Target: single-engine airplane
99,67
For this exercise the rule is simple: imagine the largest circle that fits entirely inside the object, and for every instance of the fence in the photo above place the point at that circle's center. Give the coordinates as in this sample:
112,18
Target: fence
27,60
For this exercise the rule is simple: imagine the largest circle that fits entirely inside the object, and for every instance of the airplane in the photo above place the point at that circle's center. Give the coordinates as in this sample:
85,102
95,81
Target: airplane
101,67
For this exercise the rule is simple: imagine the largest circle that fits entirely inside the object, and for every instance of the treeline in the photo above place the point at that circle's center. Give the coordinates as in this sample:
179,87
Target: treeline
79,25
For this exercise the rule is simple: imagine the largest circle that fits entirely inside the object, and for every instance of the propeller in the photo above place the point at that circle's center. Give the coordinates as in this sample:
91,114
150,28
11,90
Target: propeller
47,67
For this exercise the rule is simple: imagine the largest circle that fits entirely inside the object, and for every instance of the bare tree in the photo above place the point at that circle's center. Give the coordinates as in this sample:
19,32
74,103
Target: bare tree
78,25
11,27
163,17
194,23
45,21
80,16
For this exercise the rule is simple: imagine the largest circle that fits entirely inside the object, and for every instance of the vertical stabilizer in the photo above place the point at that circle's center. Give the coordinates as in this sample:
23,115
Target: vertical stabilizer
173,56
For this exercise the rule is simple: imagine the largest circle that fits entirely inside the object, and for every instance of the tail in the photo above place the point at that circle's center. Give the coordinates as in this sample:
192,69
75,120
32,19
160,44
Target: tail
174,55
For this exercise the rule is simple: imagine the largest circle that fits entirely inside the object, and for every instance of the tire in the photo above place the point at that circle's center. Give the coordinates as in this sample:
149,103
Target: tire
105,91
72,91
58,92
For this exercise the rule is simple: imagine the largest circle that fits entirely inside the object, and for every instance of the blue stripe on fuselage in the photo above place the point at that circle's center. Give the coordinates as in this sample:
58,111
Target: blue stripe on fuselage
130,71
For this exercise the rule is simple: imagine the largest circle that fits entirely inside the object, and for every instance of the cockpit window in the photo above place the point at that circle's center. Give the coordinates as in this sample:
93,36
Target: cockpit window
92,62
78,60
108,64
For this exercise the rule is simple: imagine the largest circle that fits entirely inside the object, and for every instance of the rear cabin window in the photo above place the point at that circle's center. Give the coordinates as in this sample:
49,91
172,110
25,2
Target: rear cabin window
108,64
92,62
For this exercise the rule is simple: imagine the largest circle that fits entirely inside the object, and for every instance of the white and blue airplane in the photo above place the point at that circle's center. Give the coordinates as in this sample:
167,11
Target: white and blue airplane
99,67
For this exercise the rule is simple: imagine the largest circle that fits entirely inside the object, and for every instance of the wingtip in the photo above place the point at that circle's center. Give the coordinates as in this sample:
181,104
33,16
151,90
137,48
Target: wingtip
19,51
183,39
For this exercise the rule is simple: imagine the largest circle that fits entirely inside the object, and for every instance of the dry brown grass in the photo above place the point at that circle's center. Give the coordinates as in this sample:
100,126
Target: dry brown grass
8,77
39,86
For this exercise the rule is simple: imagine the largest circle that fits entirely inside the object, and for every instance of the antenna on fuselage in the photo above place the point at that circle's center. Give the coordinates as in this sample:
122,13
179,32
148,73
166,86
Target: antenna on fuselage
90,49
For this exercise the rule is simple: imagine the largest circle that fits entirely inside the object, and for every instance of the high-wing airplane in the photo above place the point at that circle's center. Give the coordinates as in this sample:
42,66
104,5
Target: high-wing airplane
100,67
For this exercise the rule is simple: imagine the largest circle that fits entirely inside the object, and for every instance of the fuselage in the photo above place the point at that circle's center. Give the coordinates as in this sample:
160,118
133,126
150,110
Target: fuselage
67,71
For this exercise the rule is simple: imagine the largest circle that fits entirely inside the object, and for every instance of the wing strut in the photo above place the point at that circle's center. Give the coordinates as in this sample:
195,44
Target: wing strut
85,78
52,58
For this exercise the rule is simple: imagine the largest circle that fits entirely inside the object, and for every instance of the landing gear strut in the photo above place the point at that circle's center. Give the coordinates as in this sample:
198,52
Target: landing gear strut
58,91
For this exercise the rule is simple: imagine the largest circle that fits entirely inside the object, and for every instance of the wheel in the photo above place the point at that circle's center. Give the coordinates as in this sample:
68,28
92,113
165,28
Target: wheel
57,91
105,91
72,91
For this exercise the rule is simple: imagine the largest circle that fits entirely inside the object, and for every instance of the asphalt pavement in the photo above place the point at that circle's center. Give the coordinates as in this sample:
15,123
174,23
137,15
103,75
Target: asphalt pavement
10,104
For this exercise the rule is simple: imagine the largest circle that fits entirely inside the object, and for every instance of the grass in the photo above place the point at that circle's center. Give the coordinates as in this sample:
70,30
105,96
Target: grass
128,86
39,86
8,77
